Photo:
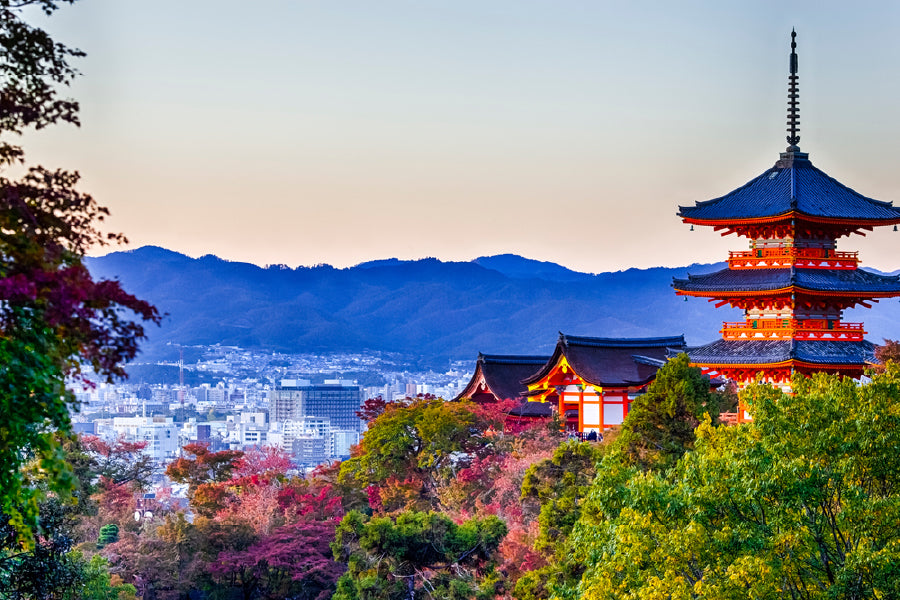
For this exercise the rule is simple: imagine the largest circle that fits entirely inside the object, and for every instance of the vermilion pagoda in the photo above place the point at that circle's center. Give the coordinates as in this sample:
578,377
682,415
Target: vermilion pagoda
793,284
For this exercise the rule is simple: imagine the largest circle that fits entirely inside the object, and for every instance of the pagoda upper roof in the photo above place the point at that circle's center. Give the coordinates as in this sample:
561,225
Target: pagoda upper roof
611,361
815,280
768,352
792,186
503,375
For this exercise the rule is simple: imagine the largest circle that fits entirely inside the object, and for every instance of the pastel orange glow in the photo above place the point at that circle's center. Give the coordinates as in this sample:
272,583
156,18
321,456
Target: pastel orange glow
310,132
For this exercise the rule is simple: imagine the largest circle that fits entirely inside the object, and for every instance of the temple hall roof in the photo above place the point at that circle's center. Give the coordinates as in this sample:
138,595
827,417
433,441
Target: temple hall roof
611,361
532,410
793,185
764,352
503,375
816,280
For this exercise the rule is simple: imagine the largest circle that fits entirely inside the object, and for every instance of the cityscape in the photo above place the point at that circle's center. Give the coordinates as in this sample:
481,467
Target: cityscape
301,403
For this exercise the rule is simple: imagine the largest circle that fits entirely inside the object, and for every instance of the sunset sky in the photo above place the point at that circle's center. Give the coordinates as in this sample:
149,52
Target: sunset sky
338,132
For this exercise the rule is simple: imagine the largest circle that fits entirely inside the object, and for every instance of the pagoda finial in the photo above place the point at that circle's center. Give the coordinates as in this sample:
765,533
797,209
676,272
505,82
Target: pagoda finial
793,99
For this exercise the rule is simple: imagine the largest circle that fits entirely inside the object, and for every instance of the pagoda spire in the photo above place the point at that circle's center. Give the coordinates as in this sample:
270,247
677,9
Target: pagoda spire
793,113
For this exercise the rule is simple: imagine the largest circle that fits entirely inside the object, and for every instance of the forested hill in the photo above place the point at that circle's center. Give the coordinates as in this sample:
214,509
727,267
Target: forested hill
426,308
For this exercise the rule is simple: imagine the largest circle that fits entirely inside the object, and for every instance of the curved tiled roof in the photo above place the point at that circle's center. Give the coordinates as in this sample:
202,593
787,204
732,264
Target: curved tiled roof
532,410
764,352
597,342
503,374
611,361
792,185
817,280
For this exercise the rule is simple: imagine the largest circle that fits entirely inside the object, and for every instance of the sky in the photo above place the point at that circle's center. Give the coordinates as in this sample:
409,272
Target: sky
308,132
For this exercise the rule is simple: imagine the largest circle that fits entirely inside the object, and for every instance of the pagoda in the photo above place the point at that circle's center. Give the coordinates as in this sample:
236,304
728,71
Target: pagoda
793,283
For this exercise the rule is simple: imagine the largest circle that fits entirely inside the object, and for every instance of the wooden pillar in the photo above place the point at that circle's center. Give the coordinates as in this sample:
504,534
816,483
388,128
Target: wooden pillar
581,408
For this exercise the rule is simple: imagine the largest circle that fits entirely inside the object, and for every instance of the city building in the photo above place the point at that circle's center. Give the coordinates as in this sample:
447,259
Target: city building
335,400
793,283
341,442
310,450
160,433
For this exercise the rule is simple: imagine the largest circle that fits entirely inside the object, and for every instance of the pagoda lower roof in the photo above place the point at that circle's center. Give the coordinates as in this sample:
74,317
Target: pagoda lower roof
611,362
770,352
857,281
792,187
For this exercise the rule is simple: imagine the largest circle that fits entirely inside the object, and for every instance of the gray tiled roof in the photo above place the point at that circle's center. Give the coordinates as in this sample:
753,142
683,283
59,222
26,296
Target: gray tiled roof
504,374
793,184
613,361
820,280
762,352
532,409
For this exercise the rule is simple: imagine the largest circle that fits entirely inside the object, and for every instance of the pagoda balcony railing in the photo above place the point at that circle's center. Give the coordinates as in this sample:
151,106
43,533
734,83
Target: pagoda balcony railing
797,329
810,258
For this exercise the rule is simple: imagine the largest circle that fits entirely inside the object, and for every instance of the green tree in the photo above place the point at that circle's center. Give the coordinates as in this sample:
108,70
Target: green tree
100,585
660,424
109,534
417,555
54,317
48,568
417,447
803,502
558,486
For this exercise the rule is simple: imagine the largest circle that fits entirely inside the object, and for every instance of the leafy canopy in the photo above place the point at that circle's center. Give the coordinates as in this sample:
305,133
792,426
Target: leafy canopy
801,503
54,318
416,555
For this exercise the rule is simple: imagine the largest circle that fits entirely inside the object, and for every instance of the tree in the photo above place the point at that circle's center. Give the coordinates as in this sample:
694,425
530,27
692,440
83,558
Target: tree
109,534
889,351
205,466
801,503
293,562
54,317
121,461
558,486
413,449
48,568
32,66
372,408
416,555
660,424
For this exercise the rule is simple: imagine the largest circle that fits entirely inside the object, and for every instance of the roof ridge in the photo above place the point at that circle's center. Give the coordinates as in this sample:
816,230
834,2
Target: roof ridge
658,341
522,358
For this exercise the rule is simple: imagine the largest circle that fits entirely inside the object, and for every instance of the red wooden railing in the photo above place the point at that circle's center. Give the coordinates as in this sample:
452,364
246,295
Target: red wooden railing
810,258
798,329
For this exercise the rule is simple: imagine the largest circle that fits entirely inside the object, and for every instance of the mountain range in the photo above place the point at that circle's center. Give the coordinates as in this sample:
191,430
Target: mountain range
428,309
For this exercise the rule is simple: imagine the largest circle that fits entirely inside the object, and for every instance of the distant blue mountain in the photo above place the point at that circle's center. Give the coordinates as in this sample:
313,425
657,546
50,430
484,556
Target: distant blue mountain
516,267
425,308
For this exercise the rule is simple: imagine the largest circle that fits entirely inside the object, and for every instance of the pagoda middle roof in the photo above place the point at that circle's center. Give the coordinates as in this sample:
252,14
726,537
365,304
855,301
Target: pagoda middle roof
611,361
816,280
767,352
793,185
